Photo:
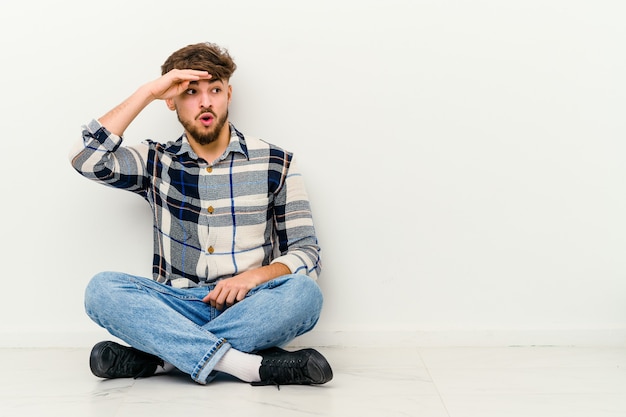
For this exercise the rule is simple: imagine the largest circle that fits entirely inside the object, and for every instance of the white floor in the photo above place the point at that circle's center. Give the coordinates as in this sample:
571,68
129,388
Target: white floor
425,382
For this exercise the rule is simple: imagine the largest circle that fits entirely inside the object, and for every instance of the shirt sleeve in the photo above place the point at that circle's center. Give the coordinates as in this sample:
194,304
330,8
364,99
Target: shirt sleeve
99,156
298,245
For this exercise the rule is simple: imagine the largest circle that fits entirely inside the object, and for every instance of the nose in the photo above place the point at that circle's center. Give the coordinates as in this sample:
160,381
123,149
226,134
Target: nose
205,100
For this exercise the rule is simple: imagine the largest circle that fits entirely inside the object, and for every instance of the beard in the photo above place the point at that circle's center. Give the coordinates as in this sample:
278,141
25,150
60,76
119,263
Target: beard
200,135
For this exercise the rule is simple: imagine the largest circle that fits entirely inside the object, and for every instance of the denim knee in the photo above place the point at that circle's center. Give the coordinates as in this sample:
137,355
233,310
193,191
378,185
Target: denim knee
308,290
98,291
304,295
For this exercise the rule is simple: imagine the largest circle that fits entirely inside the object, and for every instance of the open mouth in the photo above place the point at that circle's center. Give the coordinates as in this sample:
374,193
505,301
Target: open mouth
206,119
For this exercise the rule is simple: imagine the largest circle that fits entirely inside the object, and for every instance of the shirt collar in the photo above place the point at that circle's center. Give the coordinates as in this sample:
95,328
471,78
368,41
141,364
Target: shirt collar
237,144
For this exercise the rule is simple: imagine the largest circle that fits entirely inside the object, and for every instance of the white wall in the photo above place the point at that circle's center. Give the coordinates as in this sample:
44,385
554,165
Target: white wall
465,159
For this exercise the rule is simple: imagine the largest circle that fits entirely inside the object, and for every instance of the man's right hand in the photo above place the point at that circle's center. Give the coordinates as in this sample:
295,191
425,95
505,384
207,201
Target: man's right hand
175,82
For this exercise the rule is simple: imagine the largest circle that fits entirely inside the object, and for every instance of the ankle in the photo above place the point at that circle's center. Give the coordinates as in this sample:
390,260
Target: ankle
244,366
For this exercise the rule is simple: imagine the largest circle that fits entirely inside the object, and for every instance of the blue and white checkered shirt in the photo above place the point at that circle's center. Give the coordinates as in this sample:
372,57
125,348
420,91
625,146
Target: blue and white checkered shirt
211,221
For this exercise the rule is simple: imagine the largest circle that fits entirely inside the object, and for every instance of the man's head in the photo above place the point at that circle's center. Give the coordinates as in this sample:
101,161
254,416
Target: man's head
203,57
203,108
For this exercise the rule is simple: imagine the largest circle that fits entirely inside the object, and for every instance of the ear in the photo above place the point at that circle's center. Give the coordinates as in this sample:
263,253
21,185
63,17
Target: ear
230,92
170,104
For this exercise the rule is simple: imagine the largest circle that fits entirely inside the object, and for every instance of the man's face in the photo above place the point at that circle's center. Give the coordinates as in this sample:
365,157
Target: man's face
202,109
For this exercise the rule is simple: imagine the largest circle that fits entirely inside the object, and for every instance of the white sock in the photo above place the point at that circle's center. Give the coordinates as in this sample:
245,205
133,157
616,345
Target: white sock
244,366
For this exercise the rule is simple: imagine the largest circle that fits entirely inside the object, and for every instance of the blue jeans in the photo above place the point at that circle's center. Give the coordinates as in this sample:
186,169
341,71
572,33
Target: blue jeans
177,326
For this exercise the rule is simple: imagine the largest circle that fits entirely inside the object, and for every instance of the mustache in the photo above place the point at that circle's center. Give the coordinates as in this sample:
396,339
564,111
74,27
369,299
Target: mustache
205,111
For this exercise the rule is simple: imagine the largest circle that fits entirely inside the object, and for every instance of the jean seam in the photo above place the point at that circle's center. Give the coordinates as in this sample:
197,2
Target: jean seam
160,288
198,373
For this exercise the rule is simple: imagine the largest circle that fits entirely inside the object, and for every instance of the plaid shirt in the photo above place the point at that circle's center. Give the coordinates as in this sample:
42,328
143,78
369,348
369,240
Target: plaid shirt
211,221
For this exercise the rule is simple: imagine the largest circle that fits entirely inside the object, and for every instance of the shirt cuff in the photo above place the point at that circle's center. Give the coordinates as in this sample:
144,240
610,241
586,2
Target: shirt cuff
95,131
295,264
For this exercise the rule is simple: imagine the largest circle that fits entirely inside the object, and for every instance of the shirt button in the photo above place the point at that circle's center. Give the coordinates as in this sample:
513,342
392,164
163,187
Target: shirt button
210,209
209,169
211,250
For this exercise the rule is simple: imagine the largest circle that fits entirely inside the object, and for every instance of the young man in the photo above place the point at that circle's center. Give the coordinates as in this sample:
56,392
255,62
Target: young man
235,253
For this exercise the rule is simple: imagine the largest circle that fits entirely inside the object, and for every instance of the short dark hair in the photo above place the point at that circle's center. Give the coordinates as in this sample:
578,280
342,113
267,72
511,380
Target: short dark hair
203,57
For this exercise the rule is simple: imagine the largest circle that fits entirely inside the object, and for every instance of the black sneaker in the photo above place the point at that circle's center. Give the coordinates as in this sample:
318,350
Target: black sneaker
302,367
112,360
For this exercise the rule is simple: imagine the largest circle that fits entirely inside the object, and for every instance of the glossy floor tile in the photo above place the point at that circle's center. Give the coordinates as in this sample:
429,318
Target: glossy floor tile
429,382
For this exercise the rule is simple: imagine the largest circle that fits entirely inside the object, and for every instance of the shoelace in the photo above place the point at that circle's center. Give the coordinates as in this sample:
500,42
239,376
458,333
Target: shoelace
127,362
285,369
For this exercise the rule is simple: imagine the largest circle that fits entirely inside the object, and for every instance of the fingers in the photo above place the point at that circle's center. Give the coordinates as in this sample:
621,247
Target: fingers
215,298
222,297
218,298
188,75
231,299
210,298
175,82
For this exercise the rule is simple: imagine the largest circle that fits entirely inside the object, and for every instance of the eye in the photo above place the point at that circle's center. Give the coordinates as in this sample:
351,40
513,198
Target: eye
217,90
190,91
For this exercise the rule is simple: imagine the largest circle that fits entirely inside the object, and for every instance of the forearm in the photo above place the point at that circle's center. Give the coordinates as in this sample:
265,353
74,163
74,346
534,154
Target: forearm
119,118
269,272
